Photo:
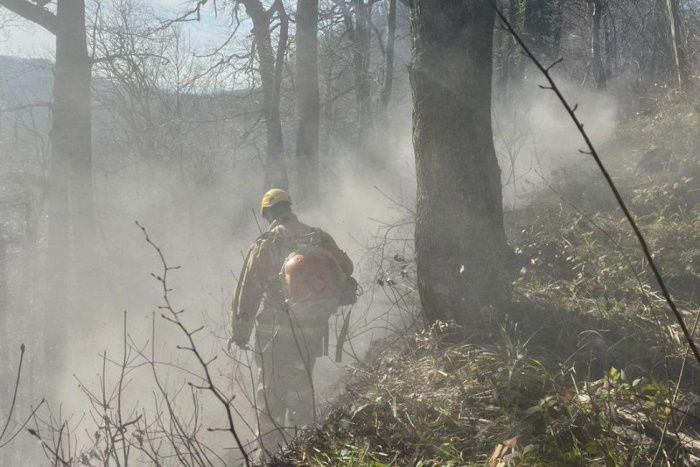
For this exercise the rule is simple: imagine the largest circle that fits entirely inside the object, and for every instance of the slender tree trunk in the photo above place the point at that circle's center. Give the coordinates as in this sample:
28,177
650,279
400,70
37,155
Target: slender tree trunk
608,35
361,55
596,56
680,57
308,102
328,107
5,352
515,65
374,143
275,170
30,291
461,248
501,50
655,67
389,57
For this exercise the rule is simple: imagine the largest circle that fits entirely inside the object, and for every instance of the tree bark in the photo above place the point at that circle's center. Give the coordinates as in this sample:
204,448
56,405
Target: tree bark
308,102
275,171
461,248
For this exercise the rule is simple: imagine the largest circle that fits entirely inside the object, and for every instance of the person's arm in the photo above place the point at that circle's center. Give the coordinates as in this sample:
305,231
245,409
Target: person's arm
249,294
341,257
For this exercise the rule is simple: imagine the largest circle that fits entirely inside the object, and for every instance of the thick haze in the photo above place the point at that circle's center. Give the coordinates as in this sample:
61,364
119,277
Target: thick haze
201,213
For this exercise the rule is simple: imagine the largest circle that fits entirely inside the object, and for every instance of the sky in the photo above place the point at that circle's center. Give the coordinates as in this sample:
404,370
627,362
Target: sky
22,38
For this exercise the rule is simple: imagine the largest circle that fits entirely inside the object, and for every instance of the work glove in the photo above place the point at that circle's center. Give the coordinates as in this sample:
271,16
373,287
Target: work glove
237,342
240,335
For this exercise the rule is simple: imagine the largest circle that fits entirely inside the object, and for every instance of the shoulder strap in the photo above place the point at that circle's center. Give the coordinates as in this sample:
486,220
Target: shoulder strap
267,235
315,237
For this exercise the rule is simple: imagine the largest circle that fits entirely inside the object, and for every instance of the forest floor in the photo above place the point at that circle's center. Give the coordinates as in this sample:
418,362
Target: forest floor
588,367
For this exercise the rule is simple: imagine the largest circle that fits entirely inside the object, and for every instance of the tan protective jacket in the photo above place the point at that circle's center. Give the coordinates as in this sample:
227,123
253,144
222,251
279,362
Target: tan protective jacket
259,279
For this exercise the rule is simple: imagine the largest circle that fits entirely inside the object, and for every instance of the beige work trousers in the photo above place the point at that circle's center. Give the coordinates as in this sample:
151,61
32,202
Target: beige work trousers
288,341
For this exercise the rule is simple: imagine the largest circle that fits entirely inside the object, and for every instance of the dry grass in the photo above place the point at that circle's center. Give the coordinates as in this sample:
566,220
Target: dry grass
424,404
440,402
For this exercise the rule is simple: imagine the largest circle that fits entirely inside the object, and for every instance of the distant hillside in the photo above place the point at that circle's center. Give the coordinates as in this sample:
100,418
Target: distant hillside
25,80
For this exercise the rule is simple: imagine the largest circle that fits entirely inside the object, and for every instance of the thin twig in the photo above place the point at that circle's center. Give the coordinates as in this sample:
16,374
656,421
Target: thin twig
4,442
14,394
175,319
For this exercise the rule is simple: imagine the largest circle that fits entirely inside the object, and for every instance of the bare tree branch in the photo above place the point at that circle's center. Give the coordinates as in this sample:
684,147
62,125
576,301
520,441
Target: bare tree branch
34,13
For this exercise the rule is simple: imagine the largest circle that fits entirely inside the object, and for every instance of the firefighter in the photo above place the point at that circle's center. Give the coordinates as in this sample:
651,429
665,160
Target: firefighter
289,337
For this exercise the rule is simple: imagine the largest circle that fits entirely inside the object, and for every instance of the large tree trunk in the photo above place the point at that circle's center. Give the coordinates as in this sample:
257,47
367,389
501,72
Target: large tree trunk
71,208
308,102
73,116
270,72
71,204
461,247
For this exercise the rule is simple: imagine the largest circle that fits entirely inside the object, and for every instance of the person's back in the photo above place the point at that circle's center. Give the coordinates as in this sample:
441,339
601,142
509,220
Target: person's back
289,336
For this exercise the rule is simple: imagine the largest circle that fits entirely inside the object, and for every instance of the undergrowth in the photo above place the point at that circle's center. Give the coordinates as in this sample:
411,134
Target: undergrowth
595,372
438,402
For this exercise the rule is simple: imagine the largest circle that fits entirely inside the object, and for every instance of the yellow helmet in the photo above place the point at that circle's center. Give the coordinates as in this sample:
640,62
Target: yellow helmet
273,197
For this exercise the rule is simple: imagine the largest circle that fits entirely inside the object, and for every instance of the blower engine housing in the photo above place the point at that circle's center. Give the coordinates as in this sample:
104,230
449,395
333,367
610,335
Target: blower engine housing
309,274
